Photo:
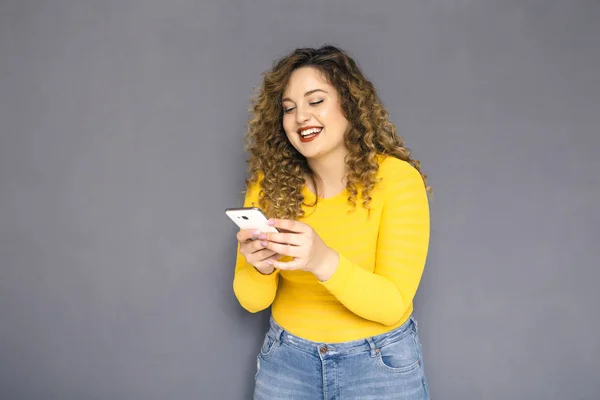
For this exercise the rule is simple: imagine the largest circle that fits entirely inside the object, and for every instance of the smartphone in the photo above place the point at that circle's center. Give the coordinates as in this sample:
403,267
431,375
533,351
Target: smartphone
250,218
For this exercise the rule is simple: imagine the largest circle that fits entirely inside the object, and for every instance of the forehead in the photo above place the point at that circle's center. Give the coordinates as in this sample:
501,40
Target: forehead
305,79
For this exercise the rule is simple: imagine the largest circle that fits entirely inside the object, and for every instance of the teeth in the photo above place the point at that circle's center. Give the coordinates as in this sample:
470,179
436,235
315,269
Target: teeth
310,131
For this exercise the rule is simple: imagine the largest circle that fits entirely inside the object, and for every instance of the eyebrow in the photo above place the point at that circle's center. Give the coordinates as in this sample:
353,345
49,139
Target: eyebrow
305,94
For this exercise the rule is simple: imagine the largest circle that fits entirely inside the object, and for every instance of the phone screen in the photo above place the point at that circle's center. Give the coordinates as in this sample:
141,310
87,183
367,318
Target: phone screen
250,218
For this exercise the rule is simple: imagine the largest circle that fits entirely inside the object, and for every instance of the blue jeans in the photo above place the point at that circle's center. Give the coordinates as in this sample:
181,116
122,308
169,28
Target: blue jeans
387,366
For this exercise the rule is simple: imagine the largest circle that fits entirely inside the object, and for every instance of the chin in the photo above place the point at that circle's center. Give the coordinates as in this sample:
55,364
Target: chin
312,156
303,152
313,153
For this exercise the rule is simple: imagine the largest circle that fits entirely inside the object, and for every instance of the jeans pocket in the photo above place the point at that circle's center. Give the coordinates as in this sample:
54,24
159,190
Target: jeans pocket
400,355
267,346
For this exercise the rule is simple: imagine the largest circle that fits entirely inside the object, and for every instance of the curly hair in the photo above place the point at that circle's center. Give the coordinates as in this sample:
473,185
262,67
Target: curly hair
283,168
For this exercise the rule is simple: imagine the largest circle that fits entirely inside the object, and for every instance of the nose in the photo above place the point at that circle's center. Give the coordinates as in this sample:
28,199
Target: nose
302,115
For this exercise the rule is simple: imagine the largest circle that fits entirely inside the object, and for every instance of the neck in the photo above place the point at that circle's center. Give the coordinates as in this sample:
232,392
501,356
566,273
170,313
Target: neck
331,173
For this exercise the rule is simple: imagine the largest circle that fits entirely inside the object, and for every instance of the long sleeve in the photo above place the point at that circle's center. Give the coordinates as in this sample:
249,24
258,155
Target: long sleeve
254,291
385,295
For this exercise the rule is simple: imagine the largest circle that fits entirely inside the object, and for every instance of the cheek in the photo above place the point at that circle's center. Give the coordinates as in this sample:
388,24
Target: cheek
334,118
287,125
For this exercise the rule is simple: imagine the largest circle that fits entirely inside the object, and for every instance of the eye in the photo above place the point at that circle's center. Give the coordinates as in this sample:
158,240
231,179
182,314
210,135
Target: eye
315,103
288,109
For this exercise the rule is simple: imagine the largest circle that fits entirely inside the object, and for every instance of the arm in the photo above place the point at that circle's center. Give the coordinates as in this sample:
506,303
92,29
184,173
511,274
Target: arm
254,291
385,294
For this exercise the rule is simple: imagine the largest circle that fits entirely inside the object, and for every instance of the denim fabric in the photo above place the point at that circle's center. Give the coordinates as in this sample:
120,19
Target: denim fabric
387,366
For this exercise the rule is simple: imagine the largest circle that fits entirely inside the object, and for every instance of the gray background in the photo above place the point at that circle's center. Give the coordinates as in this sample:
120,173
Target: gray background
121,145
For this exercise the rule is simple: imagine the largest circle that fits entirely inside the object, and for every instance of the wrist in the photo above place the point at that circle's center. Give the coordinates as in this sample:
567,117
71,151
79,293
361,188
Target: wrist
265,272
327,267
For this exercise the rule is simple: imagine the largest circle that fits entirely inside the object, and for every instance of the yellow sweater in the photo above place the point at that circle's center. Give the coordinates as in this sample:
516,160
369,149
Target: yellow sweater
382,257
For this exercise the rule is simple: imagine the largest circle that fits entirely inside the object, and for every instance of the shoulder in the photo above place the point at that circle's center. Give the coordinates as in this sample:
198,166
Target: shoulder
260,176
253,188
401,183
394,170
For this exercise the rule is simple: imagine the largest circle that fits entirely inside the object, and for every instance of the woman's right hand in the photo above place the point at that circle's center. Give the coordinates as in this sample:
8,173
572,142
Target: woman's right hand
254,252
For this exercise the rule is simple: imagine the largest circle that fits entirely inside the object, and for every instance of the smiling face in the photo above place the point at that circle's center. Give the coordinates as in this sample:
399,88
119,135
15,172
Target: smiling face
312,115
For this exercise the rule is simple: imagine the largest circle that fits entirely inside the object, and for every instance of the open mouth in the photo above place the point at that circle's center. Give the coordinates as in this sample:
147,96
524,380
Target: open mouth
309,133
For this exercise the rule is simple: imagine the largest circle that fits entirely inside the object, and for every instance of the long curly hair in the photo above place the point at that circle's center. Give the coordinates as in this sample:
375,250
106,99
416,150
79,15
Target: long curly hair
282,168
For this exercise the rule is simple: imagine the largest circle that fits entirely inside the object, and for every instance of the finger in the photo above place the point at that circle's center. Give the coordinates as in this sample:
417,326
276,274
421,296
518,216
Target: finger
265,254
247,234
274,257
289,225
253,247
283,249
260,256
295,239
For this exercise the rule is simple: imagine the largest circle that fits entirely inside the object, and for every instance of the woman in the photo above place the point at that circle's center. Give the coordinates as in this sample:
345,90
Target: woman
351,206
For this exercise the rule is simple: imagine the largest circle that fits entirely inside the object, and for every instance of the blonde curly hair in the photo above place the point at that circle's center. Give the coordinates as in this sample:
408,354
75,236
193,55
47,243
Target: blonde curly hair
282,168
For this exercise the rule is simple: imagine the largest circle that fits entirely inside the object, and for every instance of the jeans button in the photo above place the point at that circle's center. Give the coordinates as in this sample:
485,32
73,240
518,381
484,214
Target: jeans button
323,349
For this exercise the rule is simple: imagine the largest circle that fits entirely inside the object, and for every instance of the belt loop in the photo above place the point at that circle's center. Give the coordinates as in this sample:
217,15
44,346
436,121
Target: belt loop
279,334
415,323
371,346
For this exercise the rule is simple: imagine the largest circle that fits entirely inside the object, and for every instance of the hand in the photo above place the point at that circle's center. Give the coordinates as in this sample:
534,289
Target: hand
254,253
300,241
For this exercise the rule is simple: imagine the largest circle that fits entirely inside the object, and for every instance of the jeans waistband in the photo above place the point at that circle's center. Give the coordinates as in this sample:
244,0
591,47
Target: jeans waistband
367,344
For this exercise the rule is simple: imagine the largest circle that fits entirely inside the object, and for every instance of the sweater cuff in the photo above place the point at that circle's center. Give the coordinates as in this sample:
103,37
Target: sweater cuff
261,278
340,277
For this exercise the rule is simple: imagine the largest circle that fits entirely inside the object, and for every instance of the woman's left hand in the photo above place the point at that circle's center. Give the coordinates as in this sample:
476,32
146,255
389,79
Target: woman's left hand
300,241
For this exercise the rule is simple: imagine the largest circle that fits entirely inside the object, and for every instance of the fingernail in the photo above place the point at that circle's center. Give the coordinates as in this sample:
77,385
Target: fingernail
262,236
263,244
271,222
255,232
269,262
